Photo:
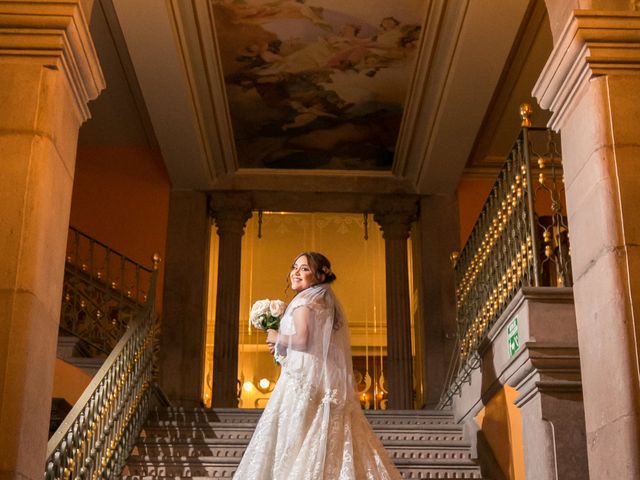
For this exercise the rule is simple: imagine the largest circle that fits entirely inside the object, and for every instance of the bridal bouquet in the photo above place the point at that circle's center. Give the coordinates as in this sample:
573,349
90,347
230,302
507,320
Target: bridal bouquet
266,314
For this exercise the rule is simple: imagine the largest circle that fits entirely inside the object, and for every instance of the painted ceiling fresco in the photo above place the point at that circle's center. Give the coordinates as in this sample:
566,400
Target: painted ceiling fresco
317,84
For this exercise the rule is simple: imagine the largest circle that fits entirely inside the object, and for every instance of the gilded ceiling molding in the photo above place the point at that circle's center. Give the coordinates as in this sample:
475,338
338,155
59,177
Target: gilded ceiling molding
593,43
55,35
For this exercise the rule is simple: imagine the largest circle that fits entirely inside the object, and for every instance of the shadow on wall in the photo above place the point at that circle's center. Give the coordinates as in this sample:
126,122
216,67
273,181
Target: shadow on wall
499,436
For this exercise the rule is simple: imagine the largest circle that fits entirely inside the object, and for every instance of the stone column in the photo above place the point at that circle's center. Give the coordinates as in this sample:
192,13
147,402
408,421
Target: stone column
185,298
438,237
591,83
48,72
231,212
395,214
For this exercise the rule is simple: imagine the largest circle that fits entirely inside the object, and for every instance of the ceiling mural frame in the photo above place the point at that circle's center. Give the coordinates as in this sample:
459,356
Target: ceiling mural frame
316,84
175,51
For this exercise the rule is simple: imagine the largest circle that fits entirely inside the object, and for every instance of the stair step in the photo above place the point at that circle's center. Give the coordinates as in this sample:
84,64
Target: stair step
231,412
225,468
171,433
377,417
200,443
169,425
244,432
174,452
407,474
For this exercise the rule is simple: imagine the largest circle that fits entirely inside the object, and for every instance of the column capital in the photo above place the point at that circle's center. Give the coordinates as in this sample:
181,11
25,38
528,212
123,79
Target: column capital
230,210
55,35
592,44
395,214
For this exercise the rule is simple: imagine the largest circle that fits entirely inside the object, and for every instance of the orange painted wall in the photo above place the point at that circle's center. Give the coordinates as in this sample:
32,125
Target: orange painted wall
472,193
121,198
501,423
69,382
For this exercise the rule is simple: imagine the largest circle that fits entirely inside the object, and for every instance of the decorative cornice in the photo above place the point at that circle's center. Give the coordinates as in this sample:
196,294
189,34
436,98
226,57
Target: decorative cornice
593,43
548,368
56,35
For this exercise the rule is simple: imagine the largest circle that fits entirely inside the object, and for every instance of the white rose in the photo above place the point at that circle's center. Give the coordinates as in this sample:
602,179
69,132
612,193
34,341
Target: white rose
276,307
261,307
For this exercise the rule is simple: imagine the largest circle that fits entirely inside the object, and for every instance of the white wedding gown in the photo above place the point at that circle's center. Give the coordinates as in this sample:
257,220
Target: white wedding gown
313,427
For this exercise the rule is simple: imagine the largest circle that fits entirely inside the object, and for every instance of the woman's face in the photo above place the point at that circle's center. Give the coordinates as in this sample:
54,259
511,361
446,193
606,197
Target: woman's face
301,275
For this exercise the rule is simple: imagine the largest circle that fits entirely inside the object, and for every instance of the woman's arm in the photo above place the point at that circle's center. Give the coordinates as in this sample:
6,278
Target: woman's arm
301,319
298,341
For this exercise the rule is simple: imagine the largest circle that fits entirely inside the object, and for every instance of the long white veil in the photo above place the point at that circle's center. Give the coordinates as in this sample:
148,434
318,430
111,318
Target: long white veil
322,360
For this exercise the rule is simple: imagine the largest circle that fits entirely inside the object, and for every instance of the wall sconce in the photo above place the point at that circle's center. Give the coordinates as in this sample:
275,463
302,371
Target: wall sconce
247,386
265,385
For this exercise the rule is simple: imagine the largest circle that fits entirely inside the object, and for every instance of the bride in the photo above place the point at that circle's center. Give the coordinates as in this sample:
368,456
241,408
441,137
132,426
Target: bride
313,427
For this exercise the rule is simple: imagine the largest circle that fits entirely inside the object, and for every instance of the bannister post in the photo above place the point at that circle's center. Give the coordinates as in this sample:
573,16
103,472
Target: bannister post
525,113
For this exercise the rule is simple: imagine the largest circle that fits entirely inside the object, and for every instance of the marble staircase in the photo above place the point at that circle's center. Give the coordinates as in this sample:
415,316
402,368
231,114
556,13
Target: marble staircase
197,443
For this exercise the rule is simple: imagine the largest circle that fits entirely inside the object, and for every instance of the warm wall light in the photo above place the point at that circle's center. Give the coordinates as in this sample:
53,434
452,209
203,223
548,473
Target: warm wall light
265,385
248,386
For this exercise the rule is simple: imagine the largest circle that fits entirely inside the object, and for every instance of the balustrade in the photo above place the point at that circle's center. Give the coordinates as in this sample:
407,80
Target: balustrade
103,291
95,439
520,239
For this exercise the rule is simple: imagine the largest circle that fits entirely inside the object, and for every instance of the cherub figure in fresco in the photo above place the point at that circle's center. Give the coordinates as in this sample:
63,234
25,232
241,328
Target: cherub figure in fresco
370,54
312,56
351,50
305,115
392,34
256,56
389,33
277,10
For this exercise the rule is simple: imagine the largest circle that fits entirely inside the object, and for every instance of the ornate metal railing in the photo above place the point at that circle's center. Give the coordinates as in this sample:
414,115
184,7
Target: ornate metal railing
103,291
520,239
97,436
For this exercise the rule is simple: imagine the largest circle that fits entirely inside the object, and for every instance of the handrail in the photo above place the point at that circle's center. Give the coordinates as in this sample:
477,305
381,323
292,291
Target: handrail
107,247
96,437
520,239
103,291
115,269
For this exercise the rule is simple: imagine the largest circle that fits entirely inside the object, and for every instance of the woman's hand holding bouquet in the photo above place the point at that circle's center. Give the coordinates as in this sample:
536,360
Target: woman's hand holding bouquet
265,315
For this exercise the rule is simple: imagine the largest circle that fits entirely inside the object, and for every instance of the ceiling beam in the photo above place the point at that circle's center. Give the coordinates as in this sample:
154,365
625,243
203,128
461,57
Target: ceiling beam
464,50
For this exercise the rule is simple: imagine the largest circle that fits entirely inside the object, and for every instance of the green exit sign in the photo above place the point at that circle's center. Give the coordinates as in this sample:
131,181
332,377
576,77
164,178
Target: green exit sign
513,340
